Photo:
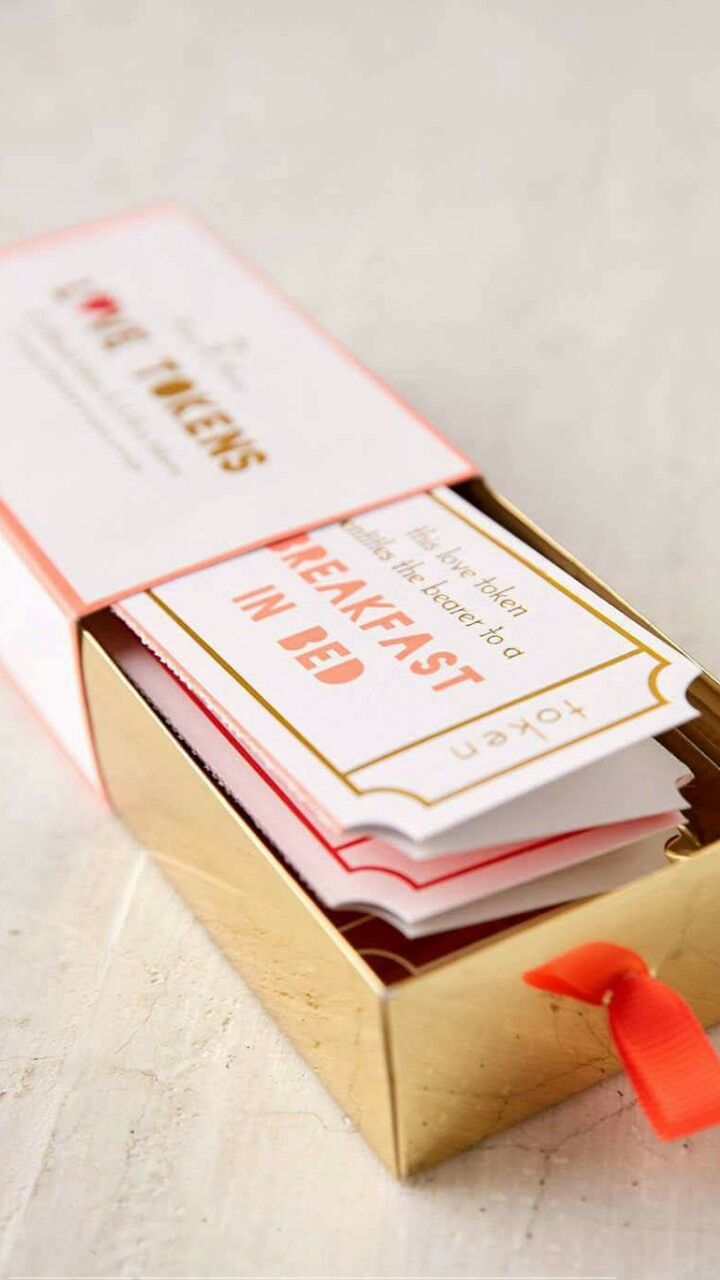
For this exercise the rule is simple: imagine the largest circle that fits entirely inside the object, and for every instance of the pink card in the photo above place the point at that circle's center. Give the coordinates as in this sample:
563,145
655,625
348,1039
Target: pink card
364,870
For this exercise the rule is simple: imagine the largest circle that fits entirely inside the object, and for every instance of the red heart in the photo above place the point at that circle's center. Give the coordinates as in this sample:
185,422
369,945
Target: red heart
100,302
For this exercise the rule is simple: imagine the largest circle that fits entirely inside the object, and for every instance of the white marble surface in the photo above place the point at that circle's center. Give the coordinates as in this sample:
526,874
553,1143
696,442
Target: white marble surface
510,211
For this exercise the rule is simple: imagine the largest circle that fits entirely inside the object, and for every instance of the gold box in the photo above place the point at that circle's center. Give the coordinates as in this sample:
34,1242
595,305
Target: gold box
427,1045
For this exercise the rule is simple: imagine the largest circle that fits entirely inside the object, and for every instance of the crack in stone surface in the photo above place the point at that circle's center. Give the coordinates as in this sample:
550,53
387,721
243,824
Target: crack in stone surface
548,1154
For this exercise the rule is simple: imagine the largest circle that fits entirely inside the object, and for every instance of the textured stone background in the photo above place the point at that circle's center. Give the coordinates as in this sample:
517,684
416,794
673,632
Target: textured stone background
510,211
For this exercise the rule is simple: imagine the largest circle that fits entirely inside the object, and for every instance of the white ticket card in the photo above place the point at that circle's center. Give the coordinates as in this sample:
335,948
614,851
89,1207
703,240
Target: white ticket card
413,667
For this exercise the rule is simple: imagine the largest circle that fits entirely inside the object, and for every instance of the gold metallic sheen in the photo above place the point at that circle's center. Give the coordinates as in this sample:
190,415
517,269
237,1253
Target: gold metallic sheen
453,1049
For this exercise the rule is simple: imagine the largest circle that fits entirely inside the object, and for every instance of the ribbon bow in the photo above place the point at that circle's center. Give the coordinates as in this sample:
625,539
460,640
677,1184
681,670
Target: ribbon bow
671,1062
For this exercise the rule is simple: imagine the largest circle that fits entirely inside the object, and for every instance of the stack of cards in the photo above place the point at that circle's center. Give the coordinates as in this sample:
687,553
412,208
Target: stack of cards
421,714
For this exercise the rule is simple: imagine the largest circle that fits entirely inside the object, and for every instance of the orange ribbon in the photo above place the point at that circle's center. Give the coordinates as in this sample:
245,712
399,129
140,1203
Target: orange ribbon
671,1062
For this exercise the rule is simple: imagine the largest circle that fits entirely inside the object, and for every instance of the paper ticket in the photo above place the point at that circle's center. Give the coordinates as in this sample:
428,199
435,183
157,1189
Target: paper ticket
413,667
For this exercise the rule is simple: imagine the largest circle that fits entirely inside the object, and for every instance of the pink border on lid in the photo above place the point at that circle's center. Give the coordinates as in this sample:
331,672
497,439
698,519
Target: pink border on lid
61,589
